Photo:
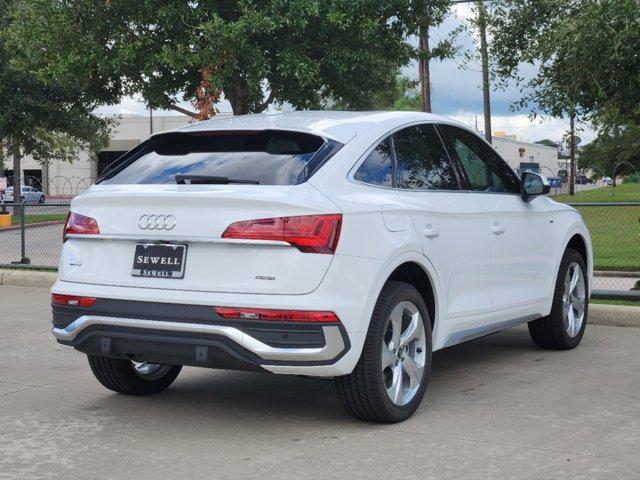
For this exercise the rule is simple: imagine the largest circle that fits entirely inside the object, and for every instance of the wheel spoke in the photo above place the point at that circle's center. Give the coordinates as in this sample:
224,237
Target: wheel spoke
395,390
575,277
396,325
578,304
388,358
412,330
414,372
572,320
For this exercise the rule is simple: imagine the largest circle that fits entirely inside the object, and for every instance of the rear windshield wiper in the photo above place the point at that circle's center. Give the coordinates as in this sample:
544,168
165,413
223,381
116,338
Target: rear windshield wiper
210,180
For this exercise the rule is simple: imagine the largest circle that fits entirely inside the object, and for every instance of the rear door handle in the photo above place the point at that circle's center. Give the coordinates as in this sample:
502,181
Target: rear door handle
497,230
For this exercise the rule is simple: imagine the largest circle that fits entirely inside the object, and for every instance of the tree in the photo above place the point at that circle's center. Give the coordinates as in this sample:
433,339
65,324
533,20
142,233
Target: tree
586,51
548,143
45,119
586,54
430,13
299,51
612,147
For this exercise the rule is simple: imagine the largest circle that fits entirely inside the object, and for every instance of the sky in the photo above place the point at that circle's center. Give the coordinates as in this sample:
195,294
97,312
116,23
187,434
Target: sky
456,93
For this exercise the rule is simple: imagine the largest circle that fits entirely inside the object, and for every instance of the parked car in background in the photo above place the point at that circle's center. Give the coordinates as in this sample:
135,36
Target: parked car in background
340,245
28,195
581,179
607,181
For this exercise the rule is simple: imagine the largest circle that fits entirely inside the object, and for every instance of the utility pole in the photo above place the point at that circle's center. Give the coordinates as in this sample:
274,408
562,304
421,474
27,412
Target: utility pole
150,121
423,66
572,153
484,55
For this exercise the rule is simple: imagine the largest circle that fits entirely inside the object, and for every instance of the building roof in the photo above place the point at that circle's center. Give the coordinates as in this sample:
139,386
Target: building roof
337,125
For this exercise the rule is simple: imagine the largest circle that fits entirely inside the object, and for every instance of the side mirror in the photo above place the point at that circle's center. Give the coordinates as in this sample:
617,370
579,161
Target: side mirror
532,185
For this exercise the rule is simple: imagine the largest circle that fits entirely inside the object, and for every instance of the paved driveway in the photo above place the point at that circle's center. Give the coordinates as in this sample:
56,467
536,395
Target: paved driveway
496,408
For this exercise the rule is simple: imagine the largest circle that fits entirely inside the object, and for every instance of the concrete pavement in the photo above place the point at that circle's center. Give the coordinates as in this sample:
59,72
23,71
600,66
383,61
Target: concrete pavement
495,408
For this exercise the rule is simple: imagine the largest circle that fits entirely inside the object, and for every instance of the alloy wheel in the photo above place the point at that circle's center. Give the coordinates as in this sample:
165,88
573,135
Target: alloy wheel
403,353
150,371
574,300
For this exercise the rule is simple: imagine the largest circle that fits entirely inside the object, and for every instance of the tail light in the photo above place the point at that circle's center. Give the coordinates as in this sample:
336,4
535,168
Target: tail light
79,225
308,233
72,300
303,316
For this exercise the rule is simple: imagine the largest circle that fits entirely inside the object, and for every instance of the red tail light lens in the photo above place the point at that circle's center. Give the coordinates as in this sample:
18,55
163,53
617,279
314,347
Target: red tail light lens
72,300
80,225
308,233
305,316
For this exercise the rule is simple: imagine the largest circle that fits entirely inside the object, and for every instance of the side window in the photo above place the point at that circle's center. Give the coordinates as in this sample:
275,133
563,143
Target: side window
484,169
377,169
422,161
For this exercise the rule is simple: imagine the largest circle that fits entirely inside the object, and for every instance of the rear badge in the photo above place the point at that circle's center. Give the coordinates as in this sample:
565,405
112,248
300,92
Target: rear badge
265,277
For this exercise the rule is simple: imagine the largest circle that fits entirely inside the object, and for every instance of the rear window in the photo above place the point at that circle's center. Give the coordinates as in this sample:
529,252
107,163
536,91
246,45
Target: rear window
269,157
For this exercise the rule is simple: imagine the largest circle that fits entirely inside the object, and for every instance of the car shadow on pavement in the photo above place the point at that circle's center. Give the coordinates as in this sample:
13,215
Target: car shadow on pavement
205,395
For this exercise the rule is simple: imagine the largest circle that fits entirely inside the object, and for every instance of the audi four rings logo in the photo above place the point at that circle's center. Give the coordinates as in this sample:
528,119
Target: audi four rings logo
157,222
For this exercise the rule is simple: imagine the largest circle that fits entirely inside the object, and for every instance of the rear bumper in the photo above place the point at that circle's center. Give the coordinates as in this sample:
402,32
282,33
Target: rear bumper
195,335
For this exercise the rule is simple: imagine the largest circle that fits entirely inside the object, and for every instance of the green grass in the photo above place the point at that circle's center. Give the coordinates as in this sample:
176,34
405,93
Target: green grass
615,231
615,234
39,218
627,192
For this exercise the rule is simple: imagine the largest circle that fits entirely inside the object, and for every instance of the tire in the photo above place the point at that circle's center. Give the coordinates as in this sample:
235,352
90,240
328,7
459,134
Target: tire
557,331
122,376
42,199
363,392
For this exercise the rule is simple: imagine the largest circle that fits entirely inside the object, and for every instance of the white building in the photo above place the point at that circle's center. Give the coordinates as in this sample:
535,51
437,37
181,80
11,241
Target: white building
67,179
522,155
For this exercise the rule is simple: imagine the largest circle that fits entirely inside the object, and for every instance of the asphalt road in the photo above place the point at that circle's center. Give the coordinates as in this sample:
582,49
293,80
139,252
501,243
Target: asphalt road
495,408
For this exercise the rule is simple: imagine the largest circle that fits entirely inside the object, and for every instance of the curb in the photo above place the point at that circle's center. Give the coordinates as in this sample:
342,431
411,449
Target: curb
31,225
24,278
599,314
614,315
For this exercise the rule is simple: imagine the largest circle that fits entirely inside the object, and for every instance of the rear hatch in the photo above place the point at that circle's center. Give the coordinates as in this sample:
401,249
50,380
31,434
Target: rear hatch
138,202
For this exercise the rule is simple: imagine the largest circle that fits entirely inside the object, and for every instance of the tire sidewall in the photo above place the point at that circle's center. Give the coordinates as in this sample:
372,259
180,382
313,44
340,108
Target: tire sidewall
400,292
570,257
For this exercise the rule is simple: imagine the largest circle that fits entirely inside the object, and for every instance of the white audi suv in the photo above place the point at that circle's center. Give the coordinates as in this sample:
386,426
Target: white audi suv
329,244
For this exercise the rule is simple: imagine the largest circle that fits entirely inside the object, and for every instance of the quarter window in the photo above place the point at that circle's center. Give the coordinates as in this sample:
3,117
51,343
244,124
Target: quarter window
485,170
422,161
377,169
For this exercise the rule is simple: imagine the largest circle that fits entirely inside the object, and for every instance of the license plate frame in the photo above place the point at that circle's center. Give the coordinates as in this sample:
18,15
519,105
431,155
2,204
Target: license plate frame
148,260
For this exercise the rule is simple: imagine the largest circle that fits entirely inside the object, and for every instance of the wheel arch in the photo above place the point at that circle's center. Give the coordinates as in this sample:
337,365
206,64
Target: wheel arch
579,240
415,269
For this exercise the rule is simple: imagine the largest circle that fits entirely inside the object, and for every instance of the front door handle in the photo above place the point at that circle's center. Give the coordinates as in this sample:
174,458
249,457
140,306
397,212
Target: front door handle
497,230
431,232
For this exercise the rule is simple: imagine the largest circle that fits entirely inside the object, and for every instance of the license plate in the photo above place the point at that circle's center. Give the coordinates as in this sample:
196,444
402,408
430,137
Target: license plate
159,260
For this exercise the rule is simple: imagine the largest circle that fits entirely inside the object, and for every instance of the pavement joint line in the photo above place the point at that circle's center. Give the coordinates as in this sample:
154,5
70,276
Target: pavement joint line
512,445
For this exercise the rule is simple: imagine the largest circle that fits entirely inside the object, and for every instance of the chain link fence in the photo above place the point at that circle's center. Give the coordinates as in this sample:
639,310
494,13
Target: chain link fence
35,239
615,234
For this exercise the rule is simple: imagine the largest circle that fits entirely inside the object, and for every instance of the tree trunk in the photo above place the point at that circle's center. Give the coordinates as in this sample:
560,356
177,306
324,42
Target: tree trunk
423,65
236,94
484,54
572,154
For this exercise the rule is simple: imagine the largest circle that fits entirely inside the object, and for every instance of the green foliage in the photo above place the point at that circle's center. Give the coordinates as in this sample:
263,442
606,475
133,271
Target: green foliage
301,51
398,93
586,50
39,116
611,147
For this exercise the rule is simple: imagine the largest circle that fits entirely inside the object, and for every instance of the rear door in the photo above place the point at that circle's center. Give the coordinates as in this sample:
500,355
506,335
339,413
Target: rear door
139,203
449,222
518,230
